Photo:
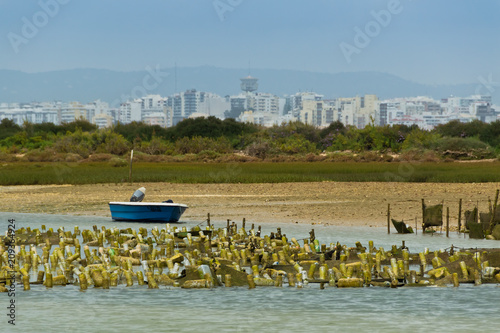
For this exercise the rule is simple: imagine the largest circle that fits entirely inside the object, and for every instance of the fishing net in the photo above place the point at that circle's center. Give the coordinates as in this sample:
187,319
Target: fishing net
401,227
476,230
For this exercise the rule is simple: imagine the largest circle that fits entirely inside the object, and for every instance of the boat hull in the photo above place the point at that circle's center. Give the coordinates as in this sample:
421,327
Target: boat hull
146,211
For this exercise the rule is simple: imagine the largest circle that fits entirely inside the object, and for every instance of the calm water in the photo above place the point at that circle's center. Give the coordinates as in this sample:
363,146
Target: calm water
64,309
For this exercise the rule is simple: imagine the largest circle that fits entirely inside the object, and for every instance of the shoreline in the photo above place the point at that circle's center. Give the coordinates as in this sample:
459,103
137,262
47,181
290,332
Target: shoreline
322,203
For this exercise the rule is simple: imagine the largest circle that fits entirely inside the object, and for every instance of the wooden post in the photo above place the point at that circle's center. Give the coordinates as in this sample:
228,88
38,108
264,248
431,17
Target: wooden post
423,215
459,215
477,213
447,221
208,219
388,218
130,169
416,226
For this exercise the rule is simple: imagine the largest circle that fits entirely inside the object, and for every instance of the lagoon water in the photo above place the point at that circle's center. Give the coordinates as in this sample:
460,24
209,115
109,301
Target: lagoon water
467,308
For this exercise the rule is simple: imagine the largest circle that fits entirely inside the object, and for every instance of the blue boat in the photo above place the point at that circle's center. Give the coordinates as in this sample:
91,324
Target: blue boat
146,211
137,211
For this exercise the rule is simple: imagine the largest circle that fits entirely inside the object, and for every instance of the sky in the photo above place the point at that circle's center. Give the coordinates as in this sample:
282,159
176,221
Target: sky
426,41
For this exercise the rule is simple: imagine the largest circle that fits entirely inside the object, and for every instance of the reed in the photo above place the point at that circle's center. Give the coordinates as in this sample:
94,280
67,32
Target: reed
25,173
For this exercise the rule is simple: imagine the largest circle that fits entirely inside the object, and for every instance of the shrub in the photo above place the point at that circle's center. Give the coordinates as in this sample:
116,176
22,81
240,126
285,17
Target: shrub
8,128
139,130
6,157
411,155
77,143
207,155
421,139
197,144
369,156
340,157
315,158
430,156
283,131
210,127
100,157
116,144
258,149
46,155
295,144
70,157
235,158
460,144
117,162
156,146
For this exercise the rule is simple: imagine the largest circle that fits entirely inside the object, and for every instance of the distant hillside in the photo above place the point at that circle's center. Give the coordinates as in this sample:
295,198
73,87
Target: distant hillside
90,84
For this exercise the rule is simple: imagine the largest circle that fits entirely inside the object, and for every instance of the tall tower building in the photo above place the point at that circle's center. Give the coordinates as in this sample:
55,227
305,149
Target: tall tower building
249,84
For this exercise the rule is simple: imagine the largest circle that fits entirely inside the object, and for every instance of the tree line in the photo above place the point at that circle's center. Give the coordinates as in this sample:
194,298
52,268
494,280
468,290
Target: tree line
211,137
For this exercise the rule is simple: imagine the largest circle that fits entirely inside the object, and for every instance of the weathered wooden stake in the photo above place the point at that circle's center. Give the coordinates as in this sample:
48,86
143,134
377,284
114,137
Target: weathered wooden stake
388,218
130,169
447,221
459,215
423,215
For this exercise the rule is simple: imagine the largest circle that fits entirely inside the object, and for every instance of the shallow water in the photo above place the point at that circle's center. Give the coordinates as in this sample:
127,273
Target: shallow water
63,309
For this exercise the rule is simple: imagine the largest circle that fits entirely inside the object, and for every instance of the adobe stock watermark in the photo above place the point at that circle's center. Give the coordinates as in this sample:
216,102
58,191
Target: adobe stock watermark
10,241
228,174
406,169
152,80
487,83
32,26
373,28
223,6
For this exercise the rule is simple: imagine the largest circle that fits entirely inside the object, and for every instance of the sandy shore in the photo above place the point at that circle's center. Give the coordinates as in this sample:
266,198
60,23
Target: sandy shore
332,203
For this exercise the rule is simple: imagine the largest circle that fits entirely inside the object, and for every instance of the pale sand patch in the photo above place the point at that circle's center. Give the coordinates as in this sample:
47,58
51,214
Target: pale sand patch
326,203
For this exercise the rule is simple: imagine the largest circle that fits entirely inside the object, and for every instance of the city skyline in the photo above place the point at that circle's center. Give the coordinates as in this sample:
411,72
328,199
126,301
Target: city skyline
261,108
446,42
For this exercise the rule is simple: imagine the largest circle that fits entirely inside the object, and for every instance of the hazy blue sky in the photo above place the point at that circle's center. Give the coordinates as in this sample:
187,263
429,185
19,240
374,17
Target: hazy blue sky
428,41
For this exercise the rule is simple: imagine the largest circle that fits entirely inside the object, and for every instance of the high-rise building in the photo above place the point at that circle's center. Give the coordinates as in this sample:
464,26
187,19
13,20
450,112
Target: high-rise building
130,111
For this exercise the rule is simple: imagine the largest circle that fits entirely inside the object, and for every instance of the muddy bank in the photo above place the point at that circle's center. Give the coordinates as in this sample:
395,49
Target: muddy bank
334,203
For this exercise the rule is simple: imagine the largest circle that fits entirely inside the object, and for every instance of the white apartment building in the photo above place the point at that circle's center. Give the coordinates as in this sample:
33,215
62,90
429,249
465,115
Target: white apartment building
102,120
260,118
358,111
318,113
192,101
263,103
130,111
36,115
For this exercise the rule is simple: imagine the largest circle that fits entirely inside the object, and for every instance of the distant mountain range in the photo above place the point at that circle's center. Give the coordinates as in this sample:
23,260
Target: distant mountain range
86,85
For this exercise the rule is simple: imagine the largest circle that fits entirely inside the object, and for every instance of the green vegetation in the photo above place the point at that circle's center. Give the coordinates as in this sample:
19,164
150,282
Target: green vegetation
180,151
116,171
213,138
